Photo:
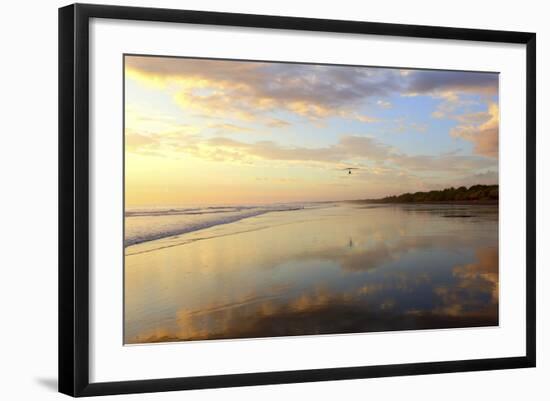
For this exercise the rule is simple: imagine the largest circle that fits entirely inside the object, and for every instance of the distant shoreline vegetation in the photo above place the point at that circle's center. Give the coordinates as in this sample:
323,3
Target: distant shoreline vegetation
482,194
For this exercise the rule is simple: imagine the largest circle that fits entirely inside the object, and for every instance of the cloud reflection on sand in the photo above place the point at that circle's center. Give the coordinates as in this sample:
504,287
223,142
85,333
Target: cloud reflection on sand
339,270
470,302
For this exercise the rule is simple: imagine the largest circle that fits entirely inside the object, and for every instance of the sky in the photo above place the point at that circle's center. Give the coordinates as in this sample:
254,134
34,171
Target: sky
216,132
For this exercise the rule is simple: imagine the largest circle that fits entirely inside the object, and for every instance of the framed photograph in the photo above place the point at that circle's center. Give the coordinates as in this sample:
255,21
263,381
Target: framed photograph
251,199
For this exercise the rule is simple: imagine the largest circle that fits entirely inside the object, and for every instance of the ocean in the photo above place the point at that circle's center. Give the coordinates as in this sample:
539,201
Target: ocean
149,224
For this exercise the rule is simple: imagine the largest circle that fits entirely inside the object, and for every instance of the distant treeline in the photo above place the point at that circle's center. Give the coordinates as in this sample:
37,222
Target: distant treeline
461,194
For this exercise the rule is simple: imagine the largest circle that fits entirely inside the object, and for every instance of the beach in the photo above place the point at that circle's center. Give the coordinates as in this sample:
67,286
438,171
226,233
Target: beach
324,268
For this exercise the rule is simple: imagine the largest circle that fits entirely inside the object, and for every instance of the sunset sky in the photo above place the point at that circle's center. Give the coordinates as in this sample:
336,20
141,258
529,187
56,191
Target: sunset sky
231,132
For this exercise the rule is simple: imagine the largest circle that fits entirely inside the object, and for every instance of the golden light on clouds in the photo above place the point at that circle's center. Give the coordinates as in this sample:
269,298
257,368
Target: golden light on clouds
483,132
206,130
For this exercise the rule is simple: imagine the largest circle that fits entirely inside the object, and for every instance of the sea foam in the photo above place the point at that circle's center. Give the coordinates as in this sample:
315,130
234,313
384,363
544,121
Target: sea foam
143,225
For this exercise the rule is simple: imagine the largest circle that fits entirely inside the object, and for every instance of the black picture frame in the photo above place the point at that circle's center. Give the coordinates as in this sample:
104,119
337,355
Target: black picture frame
74,198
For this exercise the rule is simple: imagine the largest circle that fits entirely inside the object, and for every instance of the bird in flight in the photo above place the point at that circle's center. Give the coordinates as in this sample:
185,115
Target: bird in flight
348,169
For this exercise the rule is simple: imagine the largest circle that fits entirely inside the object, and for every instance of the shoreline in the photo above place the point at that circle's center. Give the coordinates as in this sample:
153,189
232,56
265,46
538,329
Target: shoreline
160,236
356,269
462,202
176,231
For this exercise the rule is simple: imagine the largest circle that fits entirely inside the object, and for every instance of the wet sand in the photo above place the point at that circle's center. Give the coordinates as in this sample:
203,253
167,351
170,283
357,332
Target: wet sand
340,268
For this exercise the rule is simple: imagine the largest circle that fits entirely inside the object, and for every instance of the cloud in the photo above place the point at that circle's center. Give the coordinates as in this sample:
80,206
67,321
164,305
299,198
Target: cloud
378,163
485,178
349,147
229,94
134,141
482,129
454,89
377,160
446,163
403,125
277,123
222,128
439,83
244,90
158,143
